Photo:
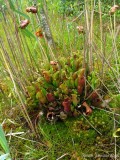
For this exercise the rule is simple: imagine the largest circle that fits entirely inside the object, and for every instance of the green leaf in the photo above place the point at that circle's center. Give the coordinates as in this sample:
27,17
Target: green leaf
28,33
74,99
3,140
69,69
11,5
40,96
22,14
43,91
17,11
47,85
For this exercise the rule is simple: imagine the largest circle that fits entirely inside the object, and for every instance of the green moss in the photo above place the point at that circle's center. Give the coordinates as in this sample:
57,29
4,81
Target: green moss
74,135
115,102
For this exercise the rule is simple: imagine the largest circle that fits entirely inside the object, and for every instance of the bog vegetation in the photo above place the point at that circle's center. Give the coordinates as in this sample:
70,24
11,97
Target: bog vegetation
59,79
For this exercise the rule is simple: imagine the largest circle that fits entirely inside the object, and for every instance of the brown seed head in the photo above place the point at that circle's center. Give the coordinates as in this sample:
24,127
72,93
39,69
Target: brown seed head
24,23
53,63
113,9
80,29
31,9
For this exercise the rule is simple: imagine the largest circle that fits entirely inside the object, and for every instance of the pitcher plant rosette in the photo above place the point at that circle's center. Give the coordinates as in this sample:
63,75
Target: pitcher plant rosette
64,89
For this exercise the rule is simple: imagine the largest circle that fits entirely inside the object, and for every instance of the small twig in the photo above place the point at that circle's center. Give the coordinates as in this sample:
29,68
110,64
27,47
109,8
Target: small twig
43,157
108,111
77,16
13,134
66,154
28,140
115,137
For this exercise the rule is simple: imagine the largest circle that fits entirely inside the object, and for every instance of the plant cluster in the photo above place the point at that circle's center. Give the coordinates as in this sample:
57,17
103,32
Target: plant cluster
64,89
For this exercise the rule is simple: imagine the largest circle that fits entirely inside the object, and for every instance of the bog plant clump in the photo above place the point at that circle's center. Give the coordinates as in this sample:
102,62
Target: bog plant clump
64,89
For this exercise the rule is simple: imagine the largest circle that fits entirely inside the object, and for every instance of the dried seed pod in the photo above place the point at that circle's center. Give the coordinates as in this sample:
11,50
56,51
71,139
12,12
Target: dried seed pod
113,9
80,29
24,23
31,9
53,63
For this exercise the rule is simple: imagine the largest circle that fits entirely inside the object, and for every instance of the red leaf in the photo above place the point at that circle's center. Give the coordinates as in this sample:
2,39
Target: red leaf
80,89
66,105
81,81
50,97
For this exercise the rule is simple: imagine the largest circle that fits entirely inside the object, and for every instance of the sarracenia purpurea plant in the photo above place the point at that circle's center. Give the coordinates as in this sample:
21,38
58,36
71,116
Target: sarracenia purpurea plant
50,82
63,90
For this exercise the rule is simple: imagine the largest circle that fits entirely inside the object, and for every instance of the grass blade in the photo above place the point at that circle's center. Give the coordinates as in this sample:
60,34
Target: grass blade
17,11
28,33
22,14
3,140
11,5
